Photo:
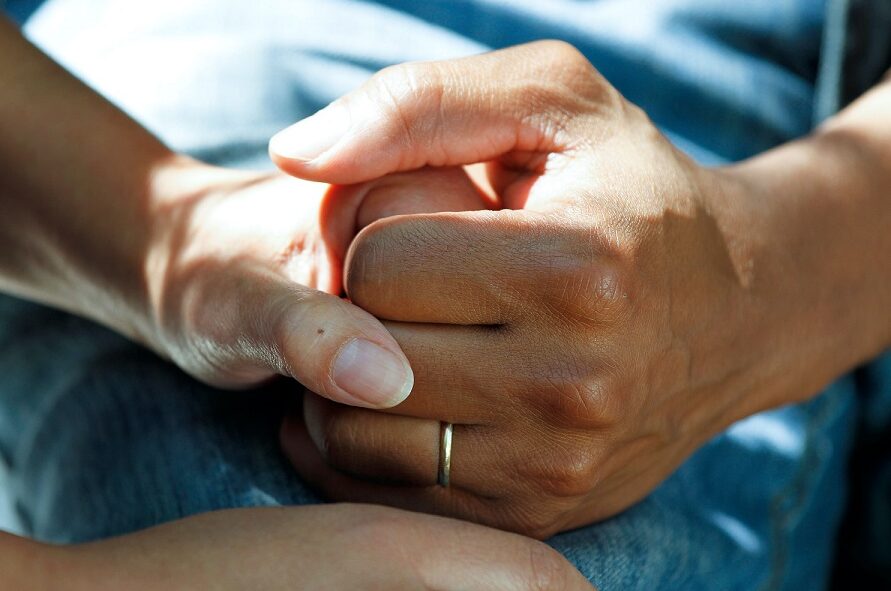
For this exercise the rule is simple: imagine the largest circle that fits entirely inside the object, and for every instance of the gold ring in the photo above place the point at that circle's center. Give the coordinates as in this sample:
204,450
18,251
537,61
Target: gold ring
445,453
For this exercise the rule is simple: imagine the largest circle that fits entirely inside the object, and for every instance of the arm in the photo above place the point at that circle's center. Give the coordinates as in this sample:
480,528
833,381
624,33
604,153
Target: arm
25,564
642,303
75,172
224,272
318,547
102,220
822,207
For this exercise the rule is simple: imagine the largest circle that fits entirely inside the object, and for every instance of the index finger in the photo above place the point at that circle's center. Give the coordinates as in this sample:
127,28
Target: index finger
526,98
471,268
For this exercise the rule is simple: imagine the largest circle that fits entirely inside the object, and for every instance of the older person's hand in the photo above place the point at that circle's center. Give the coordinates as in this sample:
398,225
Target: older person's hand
335,547
626,307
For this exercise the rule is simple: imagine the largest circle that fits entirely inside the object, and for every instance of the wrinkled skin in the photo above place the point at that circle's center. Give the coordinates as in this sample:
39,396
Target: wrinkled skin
624,307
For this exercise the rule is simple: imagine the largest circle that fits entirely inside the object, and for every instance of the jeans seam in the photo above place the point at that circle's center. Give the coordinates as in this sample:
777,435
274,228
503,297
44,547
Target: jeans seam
787,504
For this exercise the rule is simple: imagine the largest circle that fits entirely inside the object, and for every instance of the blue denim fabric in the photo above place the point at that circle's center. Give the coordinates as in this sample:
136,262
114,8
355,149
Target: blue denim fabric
101,437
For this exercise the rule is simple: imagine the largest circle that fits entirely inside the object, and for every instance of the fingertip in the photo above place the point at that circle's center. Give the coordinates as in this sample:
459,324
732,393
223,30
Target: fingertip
310,138
336,167
374,374
287,165
311,170
339,350
321,148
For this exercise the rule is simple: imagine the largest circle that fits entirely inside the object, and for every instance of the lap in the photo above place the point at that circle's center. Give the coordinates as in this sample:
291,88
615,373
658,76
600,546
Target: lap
103,438
756,508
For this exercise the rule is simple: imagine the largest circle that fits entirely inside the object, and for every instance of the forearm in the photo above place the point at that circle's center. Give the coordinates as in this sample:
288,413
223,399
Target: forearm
27,565
819,235
78,183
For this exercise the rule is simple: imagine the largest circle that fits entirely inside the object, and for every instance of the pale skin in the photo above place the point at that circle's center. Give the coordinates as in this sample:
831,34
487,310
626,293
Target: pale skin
625,306
102,220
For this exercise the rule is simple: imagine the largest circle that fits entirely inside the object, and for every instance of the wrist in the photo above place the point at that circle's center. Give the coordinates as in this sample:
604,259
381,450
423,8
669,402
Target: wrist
114,276
813,226
176,189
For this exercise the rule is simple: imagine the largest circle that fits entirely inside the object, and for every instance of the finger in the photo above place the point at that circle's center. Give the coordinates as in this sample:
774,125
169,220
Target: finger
347,209
450,501
301,451
456,268
456,376
381,447
486,267
255,321
430,190
373,446
456,112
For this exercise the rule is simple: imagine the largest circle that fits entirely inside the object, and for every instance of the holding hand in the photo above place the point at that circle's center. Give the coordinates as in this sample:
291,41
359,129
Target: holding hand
319,547
245,272
233,275
626,307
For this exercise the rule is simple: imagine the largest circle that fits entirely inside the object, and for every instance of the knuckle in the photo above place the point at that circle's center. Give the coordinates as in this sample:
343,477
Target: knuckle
580,404
534,521
379,532
590,274
562,472
558,53
403,80
564,65
568,473
570,396
591,290
392,88
406,96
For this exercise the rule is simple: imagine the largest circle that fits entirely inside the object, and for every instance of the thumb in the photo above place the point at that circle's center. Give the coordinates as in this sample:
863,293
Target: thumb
258,323
524,99
342,352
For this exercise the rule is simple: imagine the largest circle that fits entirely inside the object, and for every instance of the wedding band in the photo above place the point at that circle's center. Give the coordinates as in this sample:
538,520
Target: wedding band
445,454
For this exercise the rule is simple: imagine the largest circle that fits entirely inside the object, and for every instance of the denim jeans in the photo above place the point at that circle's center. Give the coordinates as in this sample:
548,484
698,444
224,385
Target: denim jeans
100,437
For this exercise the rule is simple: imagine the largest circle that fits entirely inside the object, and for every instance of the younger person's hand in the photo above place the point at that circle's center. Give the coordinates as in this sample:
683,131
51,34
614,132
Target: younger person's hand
235,276
244,277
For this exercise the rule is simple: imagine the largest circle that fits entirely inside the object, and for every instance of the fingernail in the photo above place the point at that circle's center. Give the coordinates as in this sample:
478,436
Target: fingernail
372,374
312,137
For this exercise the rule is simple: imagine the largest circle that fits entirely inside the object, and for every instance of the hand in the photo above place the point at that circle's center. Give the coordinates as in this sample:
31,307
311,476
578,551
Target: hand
628,305
245,272
224,272
330,547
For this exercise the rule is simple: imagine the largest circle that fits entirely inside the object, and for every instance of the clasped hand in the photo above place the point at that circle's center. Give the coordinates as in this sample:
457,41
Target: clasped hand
584,339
